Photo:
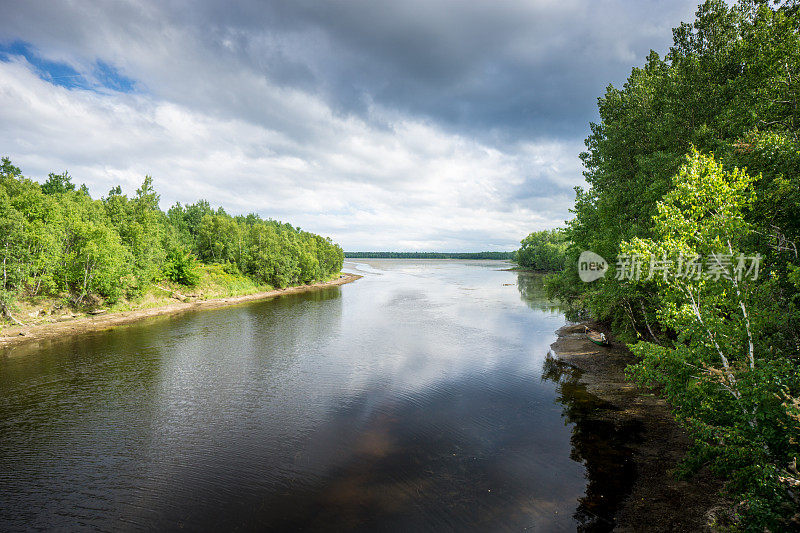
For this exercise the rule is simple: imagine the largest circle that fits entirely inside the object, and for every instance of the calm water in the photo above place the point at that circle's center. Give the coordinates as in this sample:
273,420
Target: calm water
420,397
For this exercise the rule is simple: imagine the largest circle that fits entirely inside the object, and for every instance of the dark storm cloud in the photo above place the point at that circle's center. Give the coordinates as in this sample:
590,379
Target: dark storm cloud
525,69
509,69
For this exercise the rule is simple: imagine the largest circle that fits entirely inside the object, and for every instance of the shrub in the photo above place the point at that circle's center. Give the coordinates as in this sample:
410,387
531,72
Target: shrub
181,267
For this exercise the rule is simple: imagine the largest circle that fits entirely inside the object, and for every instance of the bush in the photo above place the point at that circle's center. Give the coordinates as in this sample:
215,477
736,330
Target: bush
181,267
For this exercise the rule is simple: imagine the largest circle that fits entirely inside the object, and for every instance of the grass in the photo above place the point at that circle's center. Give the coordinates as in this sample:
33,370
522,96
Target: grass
215,282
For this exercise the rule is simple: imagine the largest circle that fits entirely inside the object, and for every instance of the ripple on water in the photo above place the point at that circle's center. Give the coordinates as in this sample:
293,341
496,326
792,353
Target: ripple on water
402,401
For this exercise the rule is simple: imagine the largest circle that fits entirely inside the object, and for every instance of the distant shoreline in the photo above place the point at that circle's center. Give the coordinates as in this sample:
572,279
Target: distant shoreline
17,335
491,256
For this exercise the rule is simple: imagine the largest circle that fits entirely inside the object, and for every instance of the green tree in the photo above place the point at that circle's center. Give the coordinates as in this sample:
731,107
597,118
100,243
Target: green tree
58,183
726,86
94,257
726,385
12,238
55,240
543,250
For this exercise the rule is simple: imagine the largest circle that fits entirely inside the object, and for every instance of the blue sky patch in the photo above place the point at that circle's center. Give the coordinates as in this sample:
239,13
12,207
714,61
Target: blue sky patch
103,75
110,78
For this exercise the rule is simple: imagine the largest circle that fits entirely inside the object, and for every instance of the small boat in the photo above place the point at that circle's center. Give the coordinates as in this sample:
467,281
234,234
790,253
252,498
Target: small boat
597,337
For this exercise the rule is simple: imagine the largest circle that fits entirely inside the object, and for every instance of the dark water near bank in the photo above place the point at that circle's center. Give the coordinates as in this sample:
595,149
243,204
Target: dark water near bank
420,397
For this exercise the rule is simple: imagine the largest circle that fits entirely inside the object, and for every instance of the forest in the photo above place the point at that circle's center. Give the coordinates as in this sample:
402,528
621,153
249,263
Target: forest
56,241
693,170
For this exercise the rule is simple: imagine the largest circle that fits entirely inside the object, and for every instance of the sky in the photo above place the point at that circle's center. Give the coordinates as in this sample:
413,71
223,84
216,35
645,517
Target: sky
433,125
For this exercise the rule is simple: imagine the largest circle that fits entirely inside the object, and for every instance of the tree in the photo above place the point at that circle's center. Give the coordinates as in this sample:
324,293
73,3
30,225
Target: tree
727,87
738,399
94,258
55,240
542,250
58,183
12,250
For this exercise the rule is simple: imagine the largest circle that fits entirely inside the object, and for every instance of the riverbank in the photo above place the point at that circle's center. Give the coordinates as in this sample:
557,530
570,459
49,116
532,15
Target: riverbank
524,270
657,500
17,335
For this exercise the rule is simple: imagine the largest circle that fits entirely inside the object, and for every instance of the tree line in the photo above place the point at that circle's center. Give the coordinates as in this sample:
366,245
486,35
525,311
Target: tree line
693,198
56,240
429,255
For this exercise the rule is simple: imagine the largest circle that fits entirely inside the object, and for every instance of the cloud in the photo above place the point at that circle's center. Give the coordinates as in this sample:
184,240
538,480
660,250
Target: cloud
386,125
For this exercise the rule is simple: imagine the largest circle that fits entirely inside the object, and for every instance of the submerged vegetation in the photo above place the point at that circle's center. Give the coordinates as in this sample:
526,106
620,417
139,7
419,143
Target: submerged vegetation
697,156
58,242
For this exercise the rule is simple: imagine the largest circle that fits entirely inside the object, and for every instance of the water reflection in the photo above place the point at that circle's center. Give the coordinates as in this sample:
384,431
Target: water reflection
532,292
414,399
600,440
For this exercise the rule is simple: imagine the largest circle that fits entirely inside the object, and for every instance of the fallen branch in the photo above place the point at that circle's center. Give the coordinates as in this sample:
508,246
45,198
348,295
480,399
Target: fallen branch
7,314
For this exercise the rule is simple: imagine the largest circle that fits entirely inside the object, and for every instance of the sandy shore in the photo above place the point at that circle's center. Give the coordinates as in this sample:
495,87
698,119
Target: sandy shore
14,336
657,501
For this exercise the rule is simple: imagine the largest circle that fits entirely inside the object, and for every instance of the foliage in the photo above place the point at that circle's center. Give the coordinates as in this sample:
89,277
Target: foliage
181,267
542,250
219,280
56,240
58,184
727,87
731,390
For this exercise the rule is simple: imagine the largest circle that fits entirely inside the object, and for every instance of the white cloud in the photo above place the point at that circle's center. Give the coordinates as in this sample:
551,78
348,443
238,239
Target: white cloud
411,185
425,125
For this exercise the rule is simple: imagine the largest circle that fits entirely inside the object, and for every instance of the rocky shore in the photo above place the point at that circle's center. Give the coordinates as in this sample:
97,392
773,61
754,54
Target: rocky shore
657,501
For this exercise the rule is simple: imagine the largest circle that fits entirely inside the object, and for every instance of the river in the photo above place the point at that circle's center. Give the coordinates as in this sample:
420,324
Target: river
419,398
